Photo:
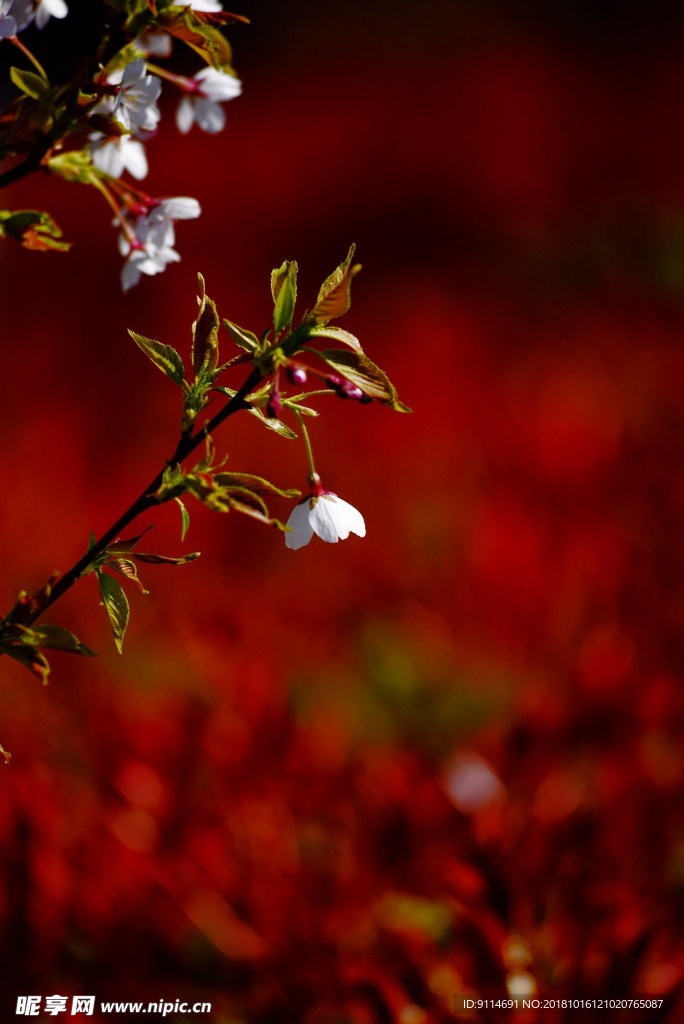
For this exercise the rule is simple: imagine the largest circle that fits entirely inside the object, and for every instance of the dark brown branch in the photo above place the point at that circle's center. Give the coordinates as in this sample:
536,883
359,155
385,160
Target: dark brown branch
21,170
146,499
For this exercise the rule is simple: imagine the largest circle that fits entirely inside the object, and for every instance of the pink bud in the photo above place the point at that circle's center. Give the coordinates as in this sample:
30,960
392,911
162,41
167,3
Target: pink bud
296,374
349,390
333,381
274,406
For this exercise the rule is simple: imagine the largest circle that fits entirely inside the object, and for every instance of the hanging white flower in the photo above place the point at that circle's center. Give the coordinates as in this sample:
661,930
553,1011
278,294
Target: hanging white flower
114,156
8,24
326,515
202,105
147,242
46,9
134,104
204,6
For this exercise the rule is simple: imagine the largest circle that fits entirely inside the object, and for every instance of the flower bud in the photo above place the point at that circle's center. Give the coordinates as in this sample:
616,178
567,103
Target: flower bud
296,374
274,406
349,390
333,381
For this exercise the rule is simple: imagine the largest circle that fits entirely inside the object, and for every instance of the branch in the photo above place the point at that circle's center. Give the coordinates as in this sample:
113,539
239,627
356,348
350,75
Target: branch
22,170
146,499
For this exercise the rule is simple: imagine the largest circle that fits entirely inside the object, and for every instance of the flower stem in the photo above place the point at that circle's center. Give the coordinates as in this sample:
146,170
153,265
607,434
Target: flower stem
313,478
147,498
27,53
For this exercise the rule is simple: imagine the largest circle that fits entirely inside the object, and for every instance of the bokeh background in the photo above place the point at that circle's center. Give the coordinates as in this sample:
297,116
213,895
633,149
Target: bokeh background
342,785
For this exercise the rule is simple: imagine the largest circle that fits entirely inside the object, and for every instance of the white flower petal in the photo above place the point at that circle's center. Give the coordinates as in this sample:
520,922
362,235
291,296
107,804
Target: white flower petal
218,85
107,157
185,115
177,208
323,523
300,528
135,159
347,519
130,272
209,116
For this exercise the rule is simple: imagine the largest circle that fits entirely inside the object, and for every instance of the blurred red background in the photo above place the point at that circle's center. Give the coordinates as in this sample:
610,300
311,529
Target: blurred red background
347,783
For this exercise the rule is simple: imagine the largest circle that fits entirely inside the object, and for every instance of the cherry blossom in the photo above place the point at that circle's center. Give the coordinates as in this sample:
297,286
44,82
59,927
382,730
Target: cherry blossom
206,91
147,241
204,6
8,24
114,156
134,104
46,9
326,515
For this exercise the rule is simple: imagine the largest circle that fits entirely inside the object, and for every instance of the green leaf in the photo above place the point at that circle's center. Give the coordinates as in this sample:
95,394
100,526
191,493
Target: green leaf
241,337
336,334
56,638
123,547
116,606
128,569
209,42
31,84
253,483
334,298
34,229
361,371
284,291
272,424
32,659
166,559
74,165
163,356
185,518
205,333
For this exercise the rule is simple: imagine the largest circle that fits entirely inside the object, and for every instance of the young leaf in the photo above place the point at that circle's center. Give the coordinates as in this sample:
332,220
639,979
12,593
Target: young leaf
336,334
163,356
5,755
128,568
361,371
166,559
284,291
30,83
241,337
56,638
205,333
116,606
34,229
32,659
255,484
334,298
185,518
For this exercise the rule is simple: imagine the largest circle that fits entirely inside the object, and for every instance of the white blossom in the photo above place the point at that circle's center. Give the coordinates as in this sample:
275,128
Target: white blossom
202,106
8,24
154,43
134,104
46,9
206,6
326,515
114,156
150,249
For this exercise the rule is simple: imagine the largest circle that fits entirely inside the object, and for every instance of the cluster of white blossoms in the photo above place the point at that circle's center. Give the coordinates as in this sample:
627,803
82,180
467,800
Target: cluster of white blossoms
16,15
147,236
126,116
130,102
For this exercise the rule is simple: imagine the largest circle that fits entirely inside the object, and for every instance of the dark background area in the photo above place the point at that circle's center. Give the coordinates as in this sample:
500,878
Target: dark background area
347,783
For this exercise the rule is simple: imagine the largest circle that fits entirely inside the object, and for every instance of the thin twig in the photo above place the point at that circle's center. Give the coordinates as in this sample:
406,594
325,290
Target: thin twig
146,499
